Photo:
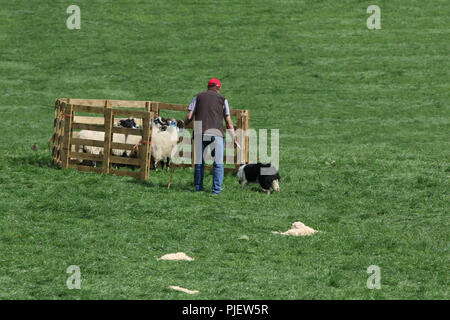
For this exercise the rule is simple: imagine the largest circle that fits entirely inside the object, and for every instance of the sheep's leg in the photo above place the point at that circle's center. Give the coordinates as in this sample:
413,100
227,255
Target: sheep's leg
168,164
155,165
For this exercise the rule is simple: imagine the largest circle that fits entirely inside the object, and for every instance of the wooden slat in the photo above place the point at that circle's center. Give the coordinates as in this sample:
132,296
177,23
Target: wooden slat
129,113
100,143
148,108
85,156
117,103
108,136
234,112
87,142
55,127
92,127
57,147
68,114
228,146
121,146
101,120
125,160
89,102
128,103
247,136
241,139
145,146
236,150
135,132
89,109
126,173
89,120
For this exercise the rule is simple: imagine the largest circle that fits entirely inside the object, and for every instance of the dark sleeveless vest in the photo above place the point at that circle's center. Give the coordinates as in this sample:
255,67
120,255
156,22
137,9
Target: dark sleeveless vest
209,109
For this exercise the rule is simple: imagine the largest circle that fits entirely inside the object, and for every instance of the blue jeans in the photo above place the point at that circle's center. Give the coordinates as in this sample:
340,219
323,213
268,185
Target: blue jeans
217,154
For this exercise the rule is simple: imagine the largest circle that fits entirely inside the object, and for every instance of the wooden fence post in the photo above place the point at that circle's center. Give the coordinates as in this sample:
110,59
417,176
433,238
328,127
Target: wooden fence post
238,151
60,133
109,119
55,127
146,140
66,147
154,107
247,135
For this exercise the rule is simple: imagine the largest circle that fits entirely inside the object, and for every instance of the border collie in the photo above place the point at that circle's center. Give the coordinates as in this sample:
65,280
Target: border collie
263,173
128,123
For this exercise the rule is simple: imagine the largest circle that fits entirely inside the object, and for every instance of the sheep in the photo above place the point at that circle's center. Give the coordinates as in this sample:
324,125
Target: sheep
100,136
159,124
163,143
163,140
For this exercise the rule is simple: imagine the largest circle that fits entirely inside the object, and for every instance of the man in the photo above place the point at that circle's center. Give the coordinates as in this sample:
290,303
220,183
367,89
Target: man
209,109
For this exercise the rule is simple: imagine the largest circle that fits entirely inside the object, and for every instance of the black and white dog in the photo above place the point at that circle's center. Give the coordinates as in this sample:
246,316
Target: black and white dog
263,173
128,123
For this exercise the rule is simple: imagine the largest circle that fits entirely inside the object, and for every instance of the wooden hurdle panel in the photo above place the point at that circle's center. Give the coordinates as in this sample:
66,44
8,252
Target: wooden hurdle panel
242,122
71,157
67,118
58,133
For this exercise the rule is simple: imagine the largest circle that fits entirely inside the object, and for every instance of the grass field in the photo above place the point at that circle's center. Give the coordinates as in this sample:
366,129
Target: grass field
364,124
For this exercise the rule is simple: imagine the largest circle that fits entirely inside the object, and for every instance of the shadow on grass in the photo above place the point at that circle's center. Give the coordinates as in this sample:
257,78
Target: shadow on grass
41,160
163,184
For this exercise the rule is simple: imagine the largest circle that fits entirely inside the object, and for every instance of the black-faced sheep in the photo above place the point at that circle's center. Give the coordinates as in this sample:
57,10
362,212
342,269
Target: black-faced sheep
100,136
163,143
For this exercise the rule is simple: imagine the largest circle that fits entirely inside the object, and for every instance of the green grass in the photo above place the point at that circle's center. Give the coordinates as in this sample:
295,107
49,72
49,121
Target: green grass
376,102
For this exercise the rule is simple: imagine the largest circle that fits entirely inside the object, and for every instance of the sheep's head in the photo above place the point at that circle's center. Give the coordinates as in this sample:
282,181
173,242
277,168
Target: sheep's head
160,123
172,123
180,124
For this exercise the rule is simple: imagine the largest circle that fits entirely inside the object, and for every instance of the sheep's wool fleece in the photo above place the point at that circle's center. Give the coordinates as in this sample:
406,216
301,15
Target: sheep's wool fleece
183,289
298,229
176,256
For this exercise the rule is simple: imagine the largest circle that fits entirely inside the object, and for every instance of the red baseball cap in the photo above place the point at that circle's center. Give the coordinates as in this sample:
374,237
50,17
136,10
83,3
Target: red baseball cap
214,82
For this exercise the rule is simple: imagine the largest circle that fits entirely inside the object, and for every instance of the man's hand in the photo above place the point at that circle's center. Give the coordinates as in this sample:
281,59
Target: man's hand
235,141
188,118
